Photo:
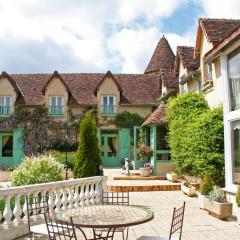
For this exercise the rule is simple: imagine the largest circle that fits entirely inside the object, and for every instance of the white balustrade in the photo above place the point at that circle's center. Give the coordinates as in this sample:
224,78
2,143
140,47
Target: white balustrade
62,195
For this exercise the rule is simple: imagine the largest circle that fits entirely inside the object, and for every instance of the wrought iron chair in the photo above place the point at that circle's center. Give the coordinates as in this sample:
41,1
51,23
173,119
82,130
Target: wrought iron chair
176,226
116,198
37,206
59,230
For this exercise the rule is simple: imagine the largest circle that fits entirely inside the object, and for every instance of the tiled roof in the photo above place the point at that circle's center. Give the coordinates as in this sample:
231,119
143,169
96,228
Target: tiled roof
157,117
186,56
168,78
224,44
138,89
162,58
218,29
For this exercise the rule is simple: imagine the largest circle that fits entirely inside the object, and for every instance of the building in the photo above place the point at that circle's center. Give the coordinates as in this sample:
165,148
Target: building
108,93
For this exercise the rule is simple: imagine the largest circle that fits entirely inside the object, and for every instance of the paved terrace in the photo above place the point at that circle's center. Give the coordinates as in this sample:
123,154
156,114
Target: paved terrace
197,224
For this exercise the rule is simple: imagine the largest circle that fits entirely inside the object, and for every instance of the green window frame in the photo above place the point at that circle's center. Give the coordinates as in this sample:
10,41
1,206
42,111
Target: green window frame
108,106
56,105
5,105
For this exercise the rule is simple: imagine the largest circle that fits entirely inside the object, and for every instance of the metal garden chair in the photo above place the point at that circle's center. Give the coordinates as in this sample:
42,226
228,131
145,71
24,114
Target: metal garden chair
176,226
37,206
116,198
59,230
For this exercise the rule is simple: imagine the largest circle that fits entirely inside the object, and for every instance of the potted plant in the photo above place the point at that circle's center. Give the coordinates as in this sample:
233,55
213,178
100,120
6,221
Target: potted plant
172,176
216,204
238,203
188,189
145,152
206,187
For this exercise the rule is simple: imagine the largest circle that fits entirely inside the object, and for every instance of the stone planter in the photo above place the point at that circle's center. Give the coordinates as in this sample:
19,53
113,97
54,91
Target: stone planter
220,210
145,172
201,201
238,214
190,191
138,164
172,177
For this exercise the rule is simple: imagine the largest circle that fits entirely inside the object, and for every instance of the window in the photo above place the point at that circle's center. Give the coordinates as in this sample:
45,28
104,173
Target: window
108,105
56,105
7,146
5,105
236,151
234,79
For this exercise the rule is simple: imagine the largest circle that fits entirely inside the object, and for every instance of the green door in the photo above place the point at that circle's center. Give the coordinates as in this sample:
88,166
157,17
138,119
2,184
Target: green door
109,150
6,149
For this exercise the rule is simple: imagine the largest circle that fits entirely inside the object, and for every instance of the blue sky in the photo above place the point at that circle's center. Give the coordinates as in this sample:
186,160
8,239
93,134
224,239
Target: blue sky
96,36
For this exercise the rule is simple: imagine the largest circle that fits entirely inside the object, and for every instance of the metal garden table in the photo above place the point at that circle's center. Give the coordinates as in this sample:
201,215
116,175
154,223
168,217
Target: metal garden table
105,219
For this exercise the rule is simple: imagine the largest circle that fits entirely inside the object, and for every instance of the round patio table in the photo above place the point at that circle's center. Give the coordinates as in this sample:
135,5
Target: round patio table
110,217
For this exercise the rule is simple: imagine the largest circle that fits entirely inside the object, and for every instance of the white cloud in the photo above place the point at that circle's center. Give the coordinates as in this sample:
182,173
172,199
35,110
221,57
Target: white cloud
82,27
220,8
97,35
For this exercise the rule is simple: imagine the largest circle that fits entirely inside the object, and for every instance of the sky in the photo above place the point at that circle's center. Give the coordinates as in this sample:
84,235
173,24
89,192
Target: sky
40,36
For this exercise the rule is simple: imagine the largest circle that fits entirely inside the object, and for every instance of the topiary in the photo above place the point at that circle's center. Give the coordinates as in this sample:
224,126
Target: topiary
35,170
88,160
207,184
238,195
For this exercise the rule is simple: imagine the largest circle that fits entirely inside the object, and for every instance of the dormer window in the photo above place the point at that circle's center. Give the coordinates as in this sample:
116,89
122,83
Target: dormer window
56,105
108,105
5,105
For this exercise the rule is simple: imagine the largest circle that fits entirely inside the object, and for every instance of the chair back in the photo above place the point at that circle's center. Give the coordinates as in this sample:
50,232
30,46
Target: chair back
177,221
59,230
115,198
36,206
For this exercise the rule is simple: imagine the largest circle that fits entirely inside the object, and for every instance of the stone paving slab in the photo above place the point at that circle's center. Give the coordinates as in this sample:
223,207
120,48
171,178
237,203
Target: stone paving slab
197,223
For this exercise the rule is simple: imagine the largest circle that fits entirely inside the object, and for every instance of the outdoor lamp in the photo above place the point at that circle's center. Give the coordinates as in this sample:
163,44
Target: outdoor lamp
66,163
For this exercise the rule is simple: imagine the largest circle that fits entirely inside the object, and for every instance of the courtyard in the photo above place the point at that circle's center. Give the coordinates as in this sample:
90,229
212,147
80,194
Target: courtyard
197,223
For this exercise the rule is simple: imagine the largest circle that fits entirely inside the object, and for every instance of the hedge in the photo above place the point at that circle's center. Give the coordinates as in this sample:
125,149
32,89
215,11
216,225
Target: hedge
196,136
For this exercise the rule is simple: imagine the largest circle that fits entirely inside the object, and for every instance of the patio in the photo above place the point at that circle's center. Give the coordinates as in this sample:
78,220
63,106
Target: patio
197,223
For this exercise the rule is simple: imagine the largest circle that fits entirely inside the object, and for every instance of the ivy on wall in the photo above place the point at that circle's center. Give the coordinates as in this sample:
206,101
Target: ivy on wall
196,136
42,132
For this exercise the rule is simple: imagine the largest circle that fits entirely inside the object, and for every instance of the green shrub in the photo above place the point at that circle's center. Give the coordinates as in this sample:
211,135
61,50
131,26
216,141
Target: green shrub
206,185
196,136
127,120
88,160
238,195
34,170
61,157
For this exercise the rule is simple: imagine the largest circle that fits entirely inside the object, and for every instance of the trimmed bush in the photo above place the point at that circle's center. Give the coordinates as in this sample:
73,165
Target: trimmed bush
127,120
35,170
196,136
61,157
87,163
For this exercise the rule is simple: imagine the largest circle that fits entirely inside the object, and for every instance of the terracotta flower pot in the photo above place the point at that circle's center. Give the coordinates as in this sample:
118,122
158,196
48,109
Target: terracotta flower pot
145,172
219,210
190,191
172,177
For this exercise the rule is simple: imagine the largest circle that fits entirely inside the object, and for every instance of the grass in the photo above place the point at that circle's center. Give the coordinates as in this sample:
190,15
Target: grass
61,157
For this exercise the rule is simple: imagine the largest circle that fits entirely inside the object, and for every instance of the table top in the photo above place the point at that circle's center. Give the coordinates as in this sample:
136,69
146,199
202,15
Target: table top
106,216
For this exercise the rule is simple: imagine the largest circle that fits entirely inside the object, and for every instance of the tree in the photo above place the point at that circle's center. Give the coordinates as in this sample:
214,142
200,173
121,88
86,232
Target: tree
88,160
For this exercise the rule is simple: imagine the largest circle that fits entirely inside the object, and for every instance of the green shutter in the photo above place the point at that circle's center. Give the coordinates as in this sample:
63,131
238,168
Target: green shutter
18,146
124,143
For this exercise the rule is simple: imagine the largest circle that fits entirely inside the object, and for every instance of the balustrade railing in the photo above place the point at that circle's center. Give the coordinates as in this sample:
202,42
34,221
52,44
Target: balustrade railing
62,195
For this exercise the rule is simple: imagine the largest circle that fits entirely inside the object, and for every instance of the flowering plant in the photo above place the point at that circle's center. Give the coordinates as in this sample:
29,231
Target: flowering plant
145,151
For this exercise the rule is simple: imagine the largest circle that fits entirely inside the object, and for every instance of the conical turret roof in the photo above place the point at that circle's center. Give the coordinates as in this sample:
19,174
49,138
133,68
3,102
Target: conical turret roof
162,58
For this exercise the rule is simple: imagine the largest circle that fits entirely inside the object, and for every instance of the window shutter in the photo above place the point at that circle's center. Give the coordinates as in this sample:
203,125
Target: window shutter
124,143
